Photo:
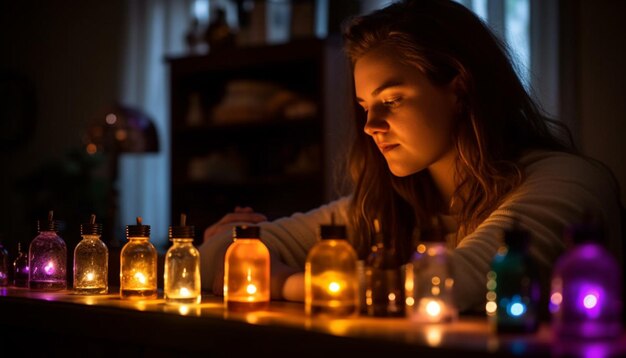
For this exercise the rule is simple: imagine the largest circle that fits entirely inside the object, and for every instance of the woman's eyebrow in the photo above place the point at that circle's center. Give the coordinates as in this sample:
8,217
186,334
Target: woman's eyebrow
384,86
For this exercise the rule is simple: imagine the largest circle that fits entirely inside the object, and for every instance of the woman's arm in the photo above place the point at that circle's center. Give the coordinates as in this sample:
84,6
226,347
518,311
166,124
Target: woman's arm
559,188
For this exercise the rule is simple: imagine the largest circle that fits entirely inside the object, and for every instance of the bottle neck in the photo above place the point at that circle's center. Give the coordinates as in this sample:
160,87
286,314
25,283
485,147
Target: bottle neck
138,238
181,240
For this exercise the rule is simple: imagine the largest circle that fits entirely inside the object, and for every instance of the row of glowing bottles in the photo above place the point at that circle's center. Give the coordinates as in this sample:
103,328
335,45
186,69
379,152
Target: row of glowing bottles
337,284
44,268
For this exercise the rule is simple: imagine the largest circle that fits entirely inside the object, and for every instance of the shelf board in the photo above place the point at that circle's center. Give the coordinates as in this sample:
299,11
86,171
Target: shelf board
308,180
249,56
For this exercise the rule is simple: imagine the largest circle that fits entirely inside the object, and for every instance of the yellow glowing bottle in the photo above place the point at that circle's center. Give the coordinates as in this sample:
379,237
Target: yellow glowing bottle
331,281
247,271
181,276
91,261
138,264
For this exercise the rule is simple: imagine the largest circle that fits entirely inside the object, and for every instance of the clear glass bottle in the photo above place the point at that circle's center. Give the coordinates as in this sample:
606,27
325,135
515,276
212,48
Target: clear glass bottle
514,291
585,299
331,279
91,261
384,295
4,266
20,268
47,257
428,281
138,264
181,276
247,271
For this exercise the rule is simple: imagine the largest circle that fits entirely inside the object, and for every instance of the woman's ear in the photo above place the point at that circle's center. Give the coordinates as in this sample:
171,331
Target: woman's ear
457,87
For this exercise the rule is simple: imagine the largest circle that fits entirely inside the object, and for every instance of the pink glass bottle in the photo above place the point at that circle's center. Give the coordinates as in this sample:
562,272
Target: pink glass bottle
585,298
47,257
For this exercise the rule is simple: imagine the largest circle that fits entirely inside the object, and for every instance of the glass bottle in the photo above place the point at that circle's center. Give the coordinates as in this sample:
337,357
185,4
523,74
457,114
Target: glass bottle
48,257
585,299
331,280
182,266
4,266
91,261
247,271
514,293
428,281
138,264
20,268
384,296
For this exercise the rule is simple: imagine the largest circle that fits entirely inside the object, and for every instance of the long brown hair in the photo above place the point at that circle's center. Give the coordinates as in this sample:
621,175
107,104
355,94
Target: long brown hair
499,121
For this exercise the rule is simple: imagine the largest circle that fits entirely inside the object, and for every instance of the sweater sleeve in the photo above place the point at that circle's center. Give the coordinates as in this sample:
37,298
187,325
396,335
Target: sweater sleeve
558,189
290,237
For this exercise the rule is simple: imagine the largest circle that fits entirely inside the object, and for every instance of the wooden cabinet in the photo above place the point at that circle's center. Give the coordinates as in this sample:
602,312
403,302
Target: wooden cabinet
257,126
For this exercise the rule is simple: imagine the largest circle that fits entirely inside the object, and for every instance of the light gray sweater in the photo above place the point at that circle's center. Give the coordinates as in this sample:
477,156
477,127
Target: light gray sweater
557,190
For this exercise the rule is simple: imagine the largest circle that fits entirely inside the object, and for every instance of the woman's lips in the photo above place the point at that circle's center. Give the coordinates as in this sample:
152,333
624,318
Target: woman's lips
385,148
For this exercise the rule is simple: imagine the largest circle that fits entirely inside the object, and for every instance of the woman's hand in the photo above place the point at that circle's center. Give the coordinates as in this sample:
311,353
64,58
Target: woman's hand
240,214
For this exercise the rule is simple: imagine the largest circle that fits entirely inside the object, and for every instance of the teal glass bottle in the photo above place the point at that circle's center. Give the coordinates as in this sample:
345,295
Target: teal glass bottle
514,293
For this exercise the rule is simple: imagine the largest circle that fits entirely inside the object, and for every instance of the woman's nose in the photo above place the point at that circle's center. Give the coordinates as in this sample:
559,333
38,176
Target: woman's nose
375,123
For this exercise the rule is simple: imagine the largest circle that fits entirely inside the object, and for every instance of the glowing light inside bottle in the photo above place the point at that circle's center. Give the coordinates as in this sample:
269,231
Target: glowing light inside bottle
139,276
516,309
433,308
49,268
590,301
251,289
334,287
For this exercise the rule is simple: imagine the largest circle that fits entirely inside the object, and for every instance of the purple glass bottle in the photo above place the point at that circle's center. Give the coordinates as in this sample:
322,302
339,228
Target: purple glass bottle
585,299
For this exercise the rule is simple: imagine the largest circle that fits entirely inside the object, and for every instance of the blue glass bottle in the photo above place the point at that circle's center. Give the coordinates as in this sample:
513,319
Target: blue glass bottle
514,291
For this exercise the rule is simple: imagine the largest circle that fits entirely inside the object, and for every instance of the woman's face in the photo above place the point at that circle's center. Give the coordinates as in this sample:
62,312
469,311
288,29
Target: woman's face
409,119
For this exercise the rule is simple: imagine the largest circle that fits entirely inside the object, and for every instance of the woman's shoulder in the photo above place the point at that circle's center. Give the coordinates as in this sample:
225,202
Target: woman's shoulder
564,166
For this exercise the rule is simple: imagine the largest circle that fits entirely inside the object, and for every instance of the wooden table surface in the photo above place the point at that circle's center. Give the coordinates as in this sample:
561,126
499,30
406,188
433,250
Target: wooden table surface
64,323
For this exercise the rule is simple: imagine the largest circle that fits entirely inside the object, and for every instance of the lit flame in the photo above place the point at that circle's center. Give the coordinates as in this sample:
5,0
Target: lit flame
433,308
49,268
184,292
590,301
139,276
89,276
251,289
334,287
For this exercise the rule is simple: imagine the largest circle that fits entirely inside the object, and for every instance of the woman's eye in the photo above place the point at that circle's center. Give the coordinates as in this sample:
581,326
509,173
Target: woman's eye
392,102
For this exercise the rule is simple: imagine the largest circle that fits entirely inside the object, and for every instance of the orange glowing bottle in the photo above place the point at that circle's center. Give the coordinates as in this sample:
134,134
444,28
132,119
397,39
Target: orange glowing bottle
247,271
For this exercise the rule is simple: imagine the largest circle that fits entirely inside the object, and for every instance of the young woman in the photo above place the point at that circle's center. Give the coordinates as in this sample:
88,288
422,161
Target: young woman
444,127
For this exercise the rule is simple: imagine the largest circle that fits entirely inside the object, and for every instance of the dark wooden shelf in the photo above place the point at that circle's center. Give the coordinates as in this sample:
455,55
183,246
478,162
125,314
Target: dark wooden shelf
261,154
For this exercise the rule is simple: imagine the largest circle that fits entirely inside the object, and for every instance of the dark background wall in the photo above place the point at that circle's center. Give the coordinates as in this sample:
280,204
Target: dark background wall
68,55
70,52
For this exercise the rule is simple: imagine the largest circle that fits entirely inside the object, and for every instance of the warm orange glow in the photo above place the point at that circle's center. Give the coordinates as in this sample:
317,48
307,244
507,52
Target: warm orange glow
140,277
91,148
433,308
251,289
